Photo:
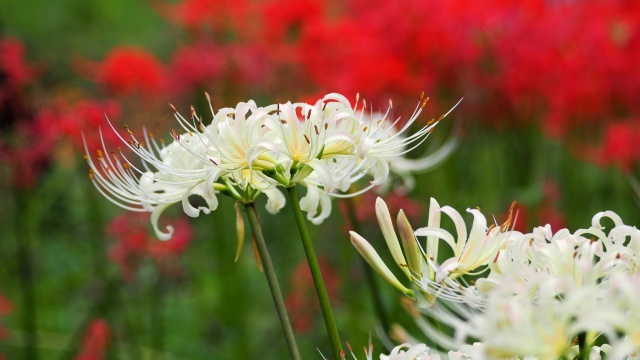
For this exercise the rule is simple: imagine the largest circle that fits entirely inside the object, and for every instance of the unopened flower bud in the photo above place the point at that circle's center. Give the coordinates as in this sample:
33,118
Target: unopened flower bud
373,259
386,225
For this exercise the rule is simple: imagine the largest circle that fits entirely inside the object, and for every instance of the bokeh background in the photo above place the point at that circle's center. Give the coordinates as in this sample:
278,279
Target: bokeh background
550,118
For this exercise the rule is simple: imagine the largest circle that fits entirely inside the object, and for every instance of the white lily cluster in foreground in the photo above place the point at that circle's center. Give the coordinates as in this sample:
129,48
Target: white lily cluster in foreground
541,295
249,150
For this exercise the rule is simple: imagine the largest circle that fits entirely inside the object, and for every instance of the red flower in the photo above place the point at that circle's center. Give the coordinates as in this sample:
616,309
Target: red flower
96,341
283,22
15,74
178,244
64,123
301,300
197,66
13,67
25,157
131,70
620,145
133,243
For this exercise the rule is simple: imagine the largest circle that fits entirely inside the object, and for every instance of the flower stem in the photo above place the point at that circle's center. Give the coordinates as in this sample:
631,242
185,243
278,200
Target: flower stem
270,273
583,346
373,286
321,290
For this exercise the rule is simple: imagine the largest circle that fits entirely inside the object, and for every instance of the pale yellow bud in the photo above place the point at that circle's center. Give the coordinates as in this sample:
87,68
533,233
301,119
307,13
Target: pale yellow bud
410,246
432,241
389,233
373,259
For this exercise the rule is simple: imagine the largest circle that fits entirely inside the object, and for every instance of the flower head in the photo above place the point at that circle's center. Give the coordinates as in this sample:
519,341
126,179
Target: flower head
131,70
249,150
540,291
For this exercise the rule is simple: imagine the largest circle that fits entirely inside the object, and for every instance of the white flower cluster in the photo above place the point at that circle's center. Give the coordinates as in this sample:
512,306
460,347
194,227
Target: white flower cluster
540,295
249,150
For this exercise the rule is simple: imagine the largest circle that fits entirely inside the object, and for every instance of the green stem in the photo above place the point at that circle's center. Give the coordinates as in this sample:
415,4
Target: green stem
373,285
584,348
270,273
321,290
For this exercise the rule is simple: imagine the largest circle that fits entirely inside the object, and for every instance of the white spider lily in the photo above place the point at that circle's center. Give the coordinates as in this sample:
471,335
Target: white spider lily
544,290
330,146
411,352
176,175
247,151
192,164
527,320
385,145
471,251
305,140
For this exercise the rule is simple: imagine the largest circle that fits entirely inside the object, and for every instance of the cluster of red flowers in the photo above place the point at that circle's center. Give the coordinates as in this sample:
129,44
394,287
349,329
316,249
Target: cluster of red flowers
127,71
566,67
61,123
133,242
562,66
620,145
15,73
31,135
34,141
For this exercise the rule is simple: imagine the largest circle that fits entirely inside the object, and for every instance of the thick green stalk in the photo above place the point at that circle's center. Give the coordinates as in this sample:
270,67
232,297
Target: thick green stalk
583,346
321,290
270,273
373,286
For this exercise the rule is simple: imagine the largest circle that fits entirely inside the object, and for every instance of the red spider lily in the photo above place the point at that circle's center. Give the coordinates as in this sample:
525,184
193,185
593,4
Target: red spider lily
564,64
301,301
283,23
96,341
197,66
133,243
15,74
15,71
25,158
59,126
129,70
67,123
620,145
341,57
